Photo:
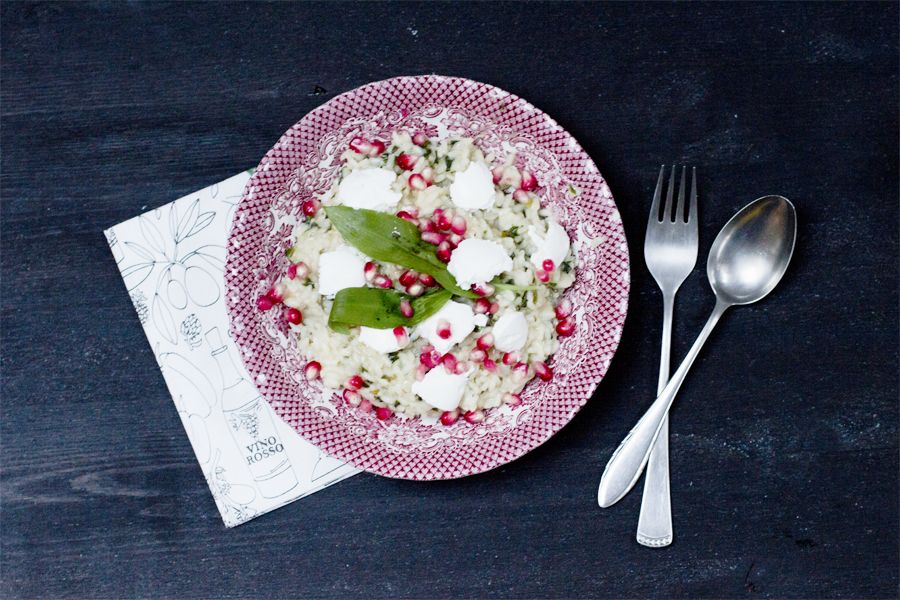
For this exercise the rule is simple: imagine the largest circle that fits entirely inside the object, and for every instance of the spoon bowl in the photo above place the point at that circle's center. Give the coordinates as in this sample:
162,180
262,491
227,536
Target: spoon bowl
752,251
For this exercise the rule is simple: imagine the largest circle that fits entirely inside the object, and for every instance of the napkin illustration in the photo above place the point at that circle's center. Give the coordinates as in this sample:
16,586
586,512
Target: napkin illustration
172,261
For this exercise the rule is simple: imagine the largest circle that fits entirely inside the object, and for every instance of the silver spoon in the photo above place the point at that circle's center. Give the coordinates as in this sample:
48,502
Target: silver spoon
746,261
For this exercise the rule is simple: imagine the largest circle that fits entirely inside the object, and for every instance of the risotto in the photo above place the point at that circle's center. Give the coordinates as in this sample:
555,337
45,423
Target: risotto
427,280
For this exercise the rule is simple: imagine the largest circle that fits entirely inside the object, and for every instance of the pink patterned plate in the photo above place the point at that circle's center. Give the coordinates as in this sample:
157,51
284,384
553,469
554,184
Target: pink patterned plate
305,162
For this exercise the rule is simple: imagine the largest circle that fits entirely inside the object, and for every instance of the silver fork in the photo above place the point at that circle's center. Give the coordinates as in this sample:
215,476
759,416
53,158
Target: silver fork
670,251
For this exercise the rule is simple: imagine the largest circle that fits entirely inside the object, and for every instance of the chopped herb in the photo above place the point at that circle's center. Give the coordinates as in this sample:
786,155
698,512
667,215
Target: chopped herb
449,162
566,267
572,190
289,252
394,356
523,301
513,231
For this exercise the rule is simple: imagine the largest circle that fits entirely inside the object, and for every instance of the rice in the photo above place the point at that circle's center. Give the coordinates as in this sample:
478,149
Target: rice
389,376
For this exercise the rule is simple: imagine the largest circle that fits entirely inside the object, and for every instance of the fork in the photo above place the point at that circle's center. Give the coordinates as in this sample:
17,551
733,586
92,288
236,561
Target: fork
670,251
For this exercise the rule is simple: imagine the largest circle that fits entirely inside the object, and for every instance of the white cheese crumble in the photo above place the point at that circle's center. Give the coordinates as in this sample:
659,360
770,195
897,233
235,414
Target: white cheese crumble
477,262
510,332
369,188
381,340
554,246
440,389
339,269
461,320
473,188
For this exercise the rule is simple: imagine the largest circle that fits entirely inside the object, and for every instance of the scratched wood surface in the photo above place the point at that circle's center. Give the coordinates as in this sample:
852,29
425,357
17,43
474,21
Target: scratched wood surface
784,439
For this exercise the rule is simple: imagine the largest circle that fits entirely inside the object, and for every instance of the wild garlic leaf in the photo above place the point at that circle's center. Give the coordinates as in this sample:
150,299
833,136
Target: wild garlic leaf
380,309
391,239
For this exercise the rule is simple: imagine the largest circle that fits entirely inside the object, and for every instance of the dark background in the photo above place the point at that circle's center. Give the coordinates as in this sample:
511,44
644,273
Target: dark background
784,438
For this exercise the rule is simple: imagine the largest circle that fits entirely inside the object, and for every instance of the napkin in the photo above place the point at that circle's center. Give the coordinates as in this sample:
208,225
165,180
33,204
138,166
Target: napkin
172,260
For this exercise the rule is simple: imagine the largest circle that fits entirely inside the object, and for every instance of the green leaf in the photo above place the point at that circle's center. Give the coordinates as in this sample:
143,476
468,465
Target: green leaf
391,239
380,309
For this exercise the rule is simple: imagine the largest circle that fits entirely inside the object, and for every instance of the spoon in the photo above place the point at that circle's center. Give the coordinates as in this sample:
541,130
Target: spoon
746,261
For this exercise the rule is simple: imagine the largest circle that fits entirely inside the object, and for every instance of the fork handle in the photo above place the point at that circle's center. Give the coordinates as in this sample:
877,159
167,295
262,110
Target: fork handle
655,521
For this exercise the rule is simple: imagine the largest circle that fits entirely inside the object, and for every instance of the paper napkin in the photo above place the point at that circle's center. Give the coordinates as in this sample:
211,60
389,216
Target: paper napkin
172,260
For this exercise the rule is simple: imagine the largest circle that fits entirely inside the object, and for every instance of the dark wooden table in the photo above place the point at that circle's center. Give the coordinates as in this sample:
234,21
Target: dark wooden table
784,439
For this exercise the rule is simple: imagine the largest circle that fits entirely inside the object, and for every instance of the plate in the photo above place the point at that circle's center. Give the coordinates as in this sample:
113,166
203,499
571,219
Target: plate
305,161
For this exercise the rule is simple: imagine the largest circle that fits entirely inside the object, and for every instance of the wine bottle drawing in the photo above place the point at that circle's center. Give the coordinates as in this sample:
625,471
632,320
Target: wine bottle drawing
251,425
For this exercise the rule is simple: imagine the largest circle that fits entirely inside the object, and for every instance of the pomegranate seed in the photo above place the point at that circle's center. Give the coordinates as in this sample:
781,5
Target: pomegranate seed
426,279
548,265
497,174
482,306
566,327
406,309
352,397
428,174
461,367
400,335
407,278
450,363
542,370
417,182
455,239
309,207
483,289
512,399
419,139
449,417
485,342
292,271
377,148
275,294
490,365
407,161
563,309
443,329
425,225
474,416
313,370
458,224
294,316
511,358
430,357
360,146
264,303
370,270
406,216
542,275
521,196
383,281
442,220
444,251
495,308
420,372
416,289
365,405
433,237
477,355
520,370
383,413
356,382
529,182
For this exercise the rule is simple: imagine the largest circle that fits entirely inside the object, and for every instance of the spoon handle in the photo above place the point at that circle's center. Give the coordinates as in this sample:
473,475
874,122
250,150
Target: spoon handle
628,461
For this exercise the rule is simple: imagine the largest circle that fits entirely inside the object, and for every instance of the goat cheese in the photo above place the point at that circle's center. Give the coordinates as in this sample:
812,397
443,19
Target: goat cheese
440,389
339,269
369,188
473,188
510,332
477,262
